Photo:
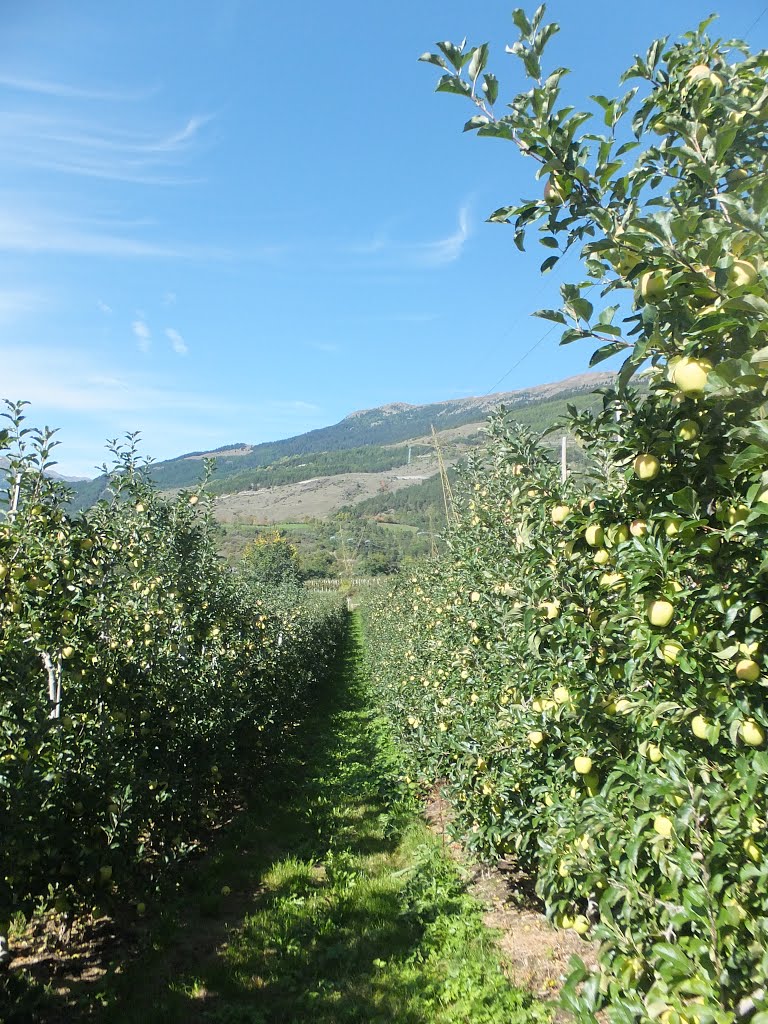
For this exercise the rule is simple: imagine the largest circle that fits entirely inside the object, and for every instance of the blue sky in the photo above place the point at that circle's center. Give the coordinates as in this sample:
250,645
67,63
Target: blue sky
243,220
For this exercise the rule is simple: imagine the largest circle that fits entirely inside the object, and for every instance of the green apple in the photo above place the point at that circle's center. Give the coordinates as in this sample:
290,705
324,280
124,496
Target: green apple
672,525
592,782
580,924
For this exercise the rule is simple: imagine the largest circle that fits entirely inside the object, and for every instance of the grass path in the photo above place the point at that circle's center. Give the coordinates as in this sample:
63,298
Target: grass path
341,905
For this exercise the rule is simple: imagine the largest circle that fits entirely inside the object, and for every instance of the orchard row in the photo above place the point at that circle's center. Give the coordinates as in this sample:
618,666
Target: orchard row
588,667
141,681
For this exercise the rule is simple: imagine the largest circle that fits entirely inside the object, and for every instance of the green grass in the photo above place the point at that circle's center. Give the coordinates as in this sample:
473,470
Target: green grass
343,905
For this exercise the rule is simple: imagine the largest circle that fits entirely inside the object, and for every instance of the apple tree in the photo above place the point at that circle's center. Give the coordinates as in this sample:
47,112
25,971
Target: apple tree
588,668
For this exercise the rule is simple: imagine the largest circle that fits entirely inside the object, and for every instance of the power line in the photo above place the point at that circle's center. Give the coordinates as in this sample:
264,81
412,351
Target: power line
757,19
522,357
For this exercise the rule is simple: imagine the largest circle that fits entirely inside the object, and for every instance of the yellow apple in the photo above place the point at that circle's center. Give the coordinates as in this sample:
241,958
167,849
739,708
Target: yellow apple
663,825
638,528
653,284
536,738
690,375
736,514
747,670
561,695
646,466
752,733
583,764
669,651
612,581
742,274
560,513
618,534
594,535
602,557
699,73
659,612
550,608
687,430
672,526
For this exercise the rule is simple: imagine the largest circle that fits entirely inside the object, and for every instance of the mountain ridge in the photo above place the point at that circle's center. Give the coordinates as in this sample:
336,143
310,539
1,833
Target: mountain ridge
342,447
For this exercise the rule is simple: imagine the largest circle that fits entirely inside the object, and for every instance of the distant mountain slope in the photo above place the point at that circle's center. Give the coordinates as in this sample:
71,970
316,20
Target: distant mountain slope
387,425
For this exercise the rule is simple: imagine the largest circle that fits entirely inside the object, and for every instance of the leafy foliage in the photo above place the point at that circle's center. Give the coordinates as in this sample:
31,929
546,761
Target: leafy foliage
587,666
140,678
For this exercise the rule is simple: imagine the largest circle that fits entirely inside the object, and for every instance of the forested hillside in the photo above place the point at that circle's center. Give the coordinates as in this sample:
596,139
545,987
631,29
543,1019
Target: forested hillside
389,425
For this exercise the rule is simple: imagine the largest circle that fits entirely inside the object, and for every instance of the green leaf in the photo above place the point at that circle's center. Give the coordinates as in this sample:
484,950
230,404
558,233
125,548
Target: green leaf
454,54
551,314
491,87
548,263
433,58
606,351
454,84
521,21
477,61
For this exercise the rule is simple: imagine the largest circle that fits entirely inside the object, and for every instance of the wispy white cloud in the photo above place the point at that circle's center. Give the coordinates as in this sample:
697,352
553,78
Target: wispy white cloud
68,380
40,231
104,307
100,400
142,334
383,248
109,144
445,250
178,344
66,91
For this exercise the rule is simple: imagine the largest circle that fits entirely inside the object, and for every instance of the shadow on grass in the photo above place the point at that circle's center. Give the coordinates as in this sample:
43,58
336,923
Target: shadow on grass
314,906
